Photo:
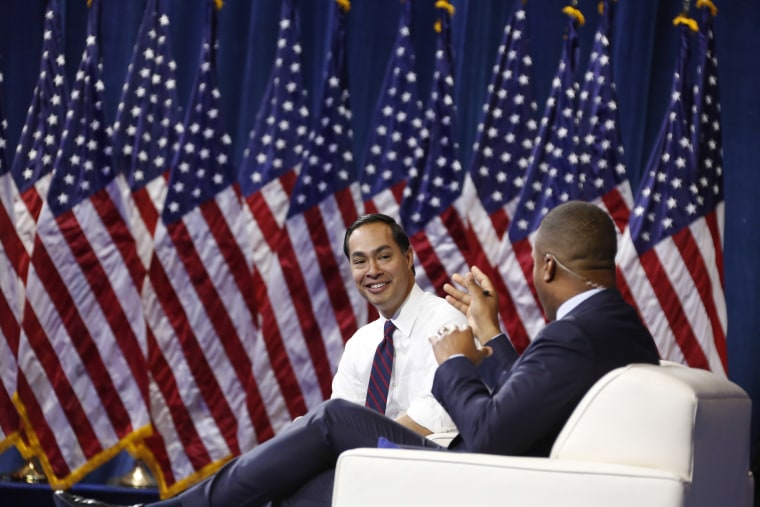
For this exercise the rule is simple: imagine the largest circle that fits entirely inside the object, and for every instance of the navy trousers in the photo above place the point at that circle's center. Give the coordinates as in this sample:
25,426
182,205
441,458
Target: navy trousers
296,468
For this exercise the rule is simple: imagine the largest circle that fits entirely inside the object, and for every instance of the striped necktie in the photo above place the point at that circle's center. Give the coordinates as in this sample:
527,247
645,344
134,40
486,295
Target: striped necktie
382,366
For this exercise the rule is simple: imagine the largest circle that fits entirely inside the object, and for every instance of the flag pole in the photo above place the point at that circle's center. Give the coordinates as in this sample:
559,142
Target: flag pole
443,4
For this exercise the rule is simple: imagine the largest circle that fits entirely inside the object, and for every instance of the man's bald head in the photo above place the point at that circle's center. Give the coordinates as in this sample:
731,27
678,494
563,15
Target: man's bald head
581,235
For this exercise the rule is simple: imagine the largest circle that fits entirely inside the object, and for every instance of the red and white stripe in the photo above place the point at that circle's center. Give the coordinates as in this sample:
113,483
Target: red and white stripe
678,289
266,212
201,309
11,303
83,380
311,288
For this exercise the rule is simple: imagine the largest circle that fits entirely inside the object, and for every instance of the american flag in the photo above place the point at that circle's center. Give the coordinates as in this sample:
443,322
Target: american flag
602,170
435,227
83,386
708,140
551,178
199,302
11,295
41,134
671,253
708,144
26,185
325,201
501,156
147,127
145,138
267,175
394,139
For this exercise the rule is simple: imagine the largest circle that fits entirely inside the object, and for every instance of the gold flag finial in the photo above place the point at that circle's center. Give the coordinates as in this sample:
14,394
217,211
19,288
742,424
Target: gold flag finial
575,13
686,20
443,4
344,4
709,4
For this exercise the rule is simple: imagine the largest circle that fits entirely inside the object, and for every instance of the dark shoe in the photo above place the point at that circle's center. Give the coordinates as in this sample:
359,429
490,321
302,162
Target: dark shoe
66,499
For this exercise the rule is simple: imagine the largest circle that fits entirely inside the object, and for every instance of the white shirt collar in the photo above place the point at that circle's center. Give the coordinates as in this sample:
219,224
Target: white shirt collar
569,305
408,311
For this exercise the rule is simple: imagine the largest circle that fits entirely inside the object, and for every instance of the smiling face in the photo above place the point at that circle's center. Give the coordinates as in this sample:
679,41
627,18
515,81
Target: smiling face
382,272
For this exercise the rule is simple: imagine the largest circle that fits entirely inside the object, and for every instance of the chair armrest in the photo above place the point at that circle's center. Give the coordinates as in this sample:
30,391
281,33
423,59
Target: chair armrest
381,477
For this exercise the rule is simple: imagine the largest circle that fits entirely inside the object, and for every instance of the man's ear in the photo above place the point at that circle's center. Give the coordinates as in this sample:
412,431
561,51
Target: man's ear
549,269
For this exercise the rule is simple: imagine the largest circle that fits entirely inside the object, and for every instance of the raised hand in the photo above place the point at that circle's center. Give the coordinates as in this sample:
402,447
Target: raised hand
477,300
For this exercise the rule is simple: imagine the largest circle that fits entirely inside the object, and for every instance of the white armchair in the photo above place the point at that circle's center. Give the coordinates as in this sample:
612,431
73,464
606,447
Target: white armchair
644,435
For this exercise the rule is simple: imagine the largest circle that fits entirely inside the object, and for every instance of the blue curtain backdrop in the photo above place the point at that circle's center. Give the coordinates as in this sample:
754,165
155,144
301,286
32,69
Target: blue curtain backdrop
644,45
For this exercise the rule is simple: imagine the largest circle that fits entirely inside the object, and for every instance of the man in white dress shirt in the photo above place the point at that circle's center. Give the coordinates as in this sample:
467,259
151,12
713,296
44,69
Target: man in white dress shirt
382,264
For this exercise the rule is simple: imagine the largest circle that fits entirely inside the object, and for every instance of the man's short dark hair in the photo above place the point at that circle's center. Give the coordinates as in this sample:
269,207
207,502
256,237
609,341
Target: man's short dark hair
399,235
582,234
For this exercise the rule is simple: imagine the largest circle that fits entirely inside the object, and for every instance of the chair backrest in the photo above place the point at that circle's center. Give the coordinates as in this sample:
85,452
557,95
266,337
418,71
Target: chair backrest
684,420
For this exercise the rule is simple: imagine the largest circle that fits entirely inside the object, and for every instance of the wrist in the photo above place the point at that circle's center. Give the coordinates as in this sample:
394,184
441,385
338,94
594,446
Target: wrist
488,334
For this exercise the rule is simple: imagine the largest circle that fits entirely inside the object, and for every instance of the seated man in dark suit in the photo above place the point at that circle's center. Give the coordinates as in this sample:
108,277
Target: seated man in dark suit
502,403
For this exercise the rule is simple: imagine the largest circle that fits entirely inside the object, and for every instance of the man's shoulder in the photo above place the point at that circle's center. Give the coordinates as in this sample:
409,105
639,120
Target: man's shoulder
603,318
432,304
603,296
424,313
431,299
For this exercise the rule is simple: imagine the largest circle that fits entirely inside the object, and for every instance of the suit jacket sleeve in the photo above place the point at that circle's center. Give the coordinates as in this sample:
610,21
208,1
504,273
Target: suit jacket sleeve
531,399
504,356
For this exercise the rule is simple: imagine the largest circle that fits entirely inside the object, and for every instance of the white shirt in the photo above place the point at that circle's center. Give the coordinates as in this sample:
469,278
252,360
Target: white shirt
414,364
569,305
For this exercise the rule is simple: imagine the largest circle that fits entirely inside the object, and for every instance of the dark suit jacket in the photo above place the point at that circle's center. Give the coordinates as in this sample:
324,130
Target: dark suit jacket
517,405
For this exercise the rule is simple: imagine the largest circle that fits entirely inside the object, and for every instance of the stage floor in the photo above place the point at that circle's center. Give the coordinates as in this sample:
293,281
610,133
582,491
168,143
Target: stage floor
16,494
